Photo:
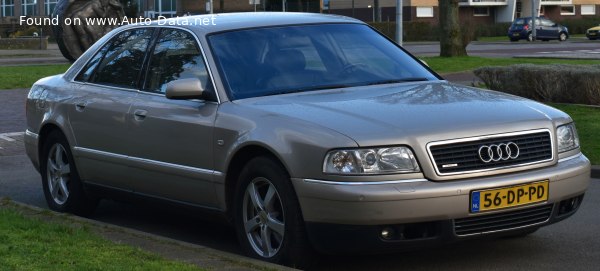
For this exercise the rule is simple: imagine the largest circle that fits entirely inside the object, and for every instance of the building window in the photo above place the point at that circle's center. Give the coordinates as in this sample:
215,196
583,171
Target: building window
49,6
29,7
8,8
542,11
567,10
588,9
423,12
481,11
166,8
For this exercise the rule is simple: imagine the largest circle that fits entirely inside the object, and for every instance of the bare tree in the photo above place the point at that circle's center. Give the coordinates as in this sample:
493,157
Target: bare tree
451,39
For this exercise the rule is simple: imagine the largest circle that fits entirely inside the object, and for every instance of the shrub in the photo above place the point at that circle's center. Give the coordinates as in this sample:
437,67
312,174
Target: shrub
579,26
546,83
424,31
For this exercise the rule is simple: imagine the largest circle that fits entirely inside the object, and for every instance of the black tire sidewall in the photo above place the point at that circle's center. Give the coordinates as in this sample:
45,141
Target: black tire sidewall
273,171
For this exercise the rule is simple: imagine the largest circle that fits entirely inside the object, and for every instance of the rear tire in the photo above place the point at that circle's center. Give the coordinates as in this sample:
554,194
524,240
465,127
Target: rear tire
530,37
273,215
62,186
562,36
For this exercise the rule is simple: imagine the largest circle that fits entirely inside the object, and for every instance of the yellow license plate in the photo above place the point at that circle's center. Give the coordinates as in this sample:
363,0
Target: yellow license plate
507,197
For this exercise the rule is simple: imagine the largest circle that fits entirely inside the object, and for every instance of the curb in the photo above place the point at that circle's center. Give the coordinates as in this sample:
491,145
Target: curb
238,262
596,172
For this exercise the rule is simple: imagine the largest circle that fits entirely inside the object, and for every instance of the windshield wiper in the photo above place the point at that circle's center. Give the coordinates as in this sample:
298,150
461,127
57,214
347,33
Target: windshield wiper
402,80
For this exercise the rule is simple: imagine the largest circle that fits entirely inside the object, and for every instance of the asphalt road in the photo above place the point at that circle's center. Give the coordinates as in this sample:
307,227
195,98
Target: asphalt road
572,244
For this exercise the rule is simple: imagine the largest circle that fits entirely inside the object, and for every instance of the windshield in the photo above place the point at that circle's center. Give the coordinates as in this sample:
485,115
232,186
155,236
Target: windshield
275,60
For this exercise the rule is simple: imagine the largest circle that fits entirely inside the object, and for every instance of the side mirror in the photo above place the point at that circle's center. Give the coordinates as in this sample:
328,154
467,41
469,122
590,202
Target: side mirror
185,89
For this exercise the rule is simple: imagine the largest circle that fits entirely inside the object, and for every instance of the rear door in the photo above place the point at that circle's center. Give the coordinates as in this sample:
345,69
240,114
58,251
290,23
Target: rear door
173,147
107,87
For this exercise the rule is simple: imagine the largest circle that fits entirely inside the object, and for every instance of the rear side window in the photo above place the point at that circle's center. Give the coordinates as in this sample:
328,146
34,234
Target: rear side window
120,61
175,56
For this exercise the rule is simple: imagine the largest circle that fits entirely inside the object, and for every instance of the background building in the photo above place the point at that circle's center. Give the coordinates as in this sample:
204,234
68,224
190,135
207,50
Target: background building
475,11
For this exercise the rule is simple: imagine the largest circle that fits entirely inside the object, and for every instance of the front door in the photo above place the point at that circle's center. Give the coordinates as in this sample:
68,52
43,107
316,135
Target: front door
173,148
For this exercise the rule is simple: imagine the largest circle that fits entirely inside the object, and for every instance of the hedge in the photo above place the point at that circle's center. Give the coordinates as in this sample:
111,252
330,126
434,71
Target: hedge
559,83
422,31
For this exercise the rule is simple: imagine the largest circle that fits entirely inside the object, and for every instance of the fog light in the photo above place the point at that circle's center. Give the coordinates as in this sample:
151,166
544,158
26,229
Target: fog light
387,233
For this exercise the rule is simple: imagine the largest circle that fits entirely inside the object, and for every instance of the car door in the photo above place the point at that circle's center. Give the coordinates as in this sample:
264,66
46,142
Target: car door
107,87
173,150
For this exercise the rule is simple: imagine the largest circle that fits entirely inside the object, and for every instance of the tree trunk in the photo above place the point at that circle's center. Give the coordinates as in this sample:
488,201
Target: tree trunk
221,6
376,10
451,40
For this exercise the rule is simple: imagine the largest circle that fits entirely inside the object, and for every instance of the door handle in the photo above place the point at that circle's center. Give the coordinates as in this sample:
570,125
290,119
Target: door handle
139,114
80,106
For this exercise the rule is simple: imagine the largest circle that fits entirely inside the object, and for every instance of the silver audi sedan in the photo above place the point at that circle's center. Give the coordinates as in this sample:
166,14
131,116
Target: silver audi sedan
307,132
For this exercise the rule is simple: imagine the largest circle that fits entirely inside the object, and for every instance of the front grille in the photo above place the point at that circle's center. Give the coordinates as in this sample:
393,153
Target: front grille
463,156
502,221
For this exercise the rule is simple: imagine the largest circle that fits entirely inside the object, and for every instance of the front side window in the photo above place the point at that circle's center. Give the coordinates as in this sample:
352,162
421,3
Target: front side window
176,56
8,7
274,60
29,7
120,60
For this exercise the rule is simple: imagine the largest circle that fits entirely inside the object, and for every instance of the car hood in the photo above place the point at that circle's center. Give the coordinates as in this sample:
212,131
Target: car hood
594,28
407,112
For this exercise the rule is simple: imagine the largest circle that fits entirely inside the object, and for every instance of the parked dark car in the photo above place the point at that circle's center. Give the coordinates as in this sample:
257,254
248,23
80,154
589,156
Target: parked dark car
521,29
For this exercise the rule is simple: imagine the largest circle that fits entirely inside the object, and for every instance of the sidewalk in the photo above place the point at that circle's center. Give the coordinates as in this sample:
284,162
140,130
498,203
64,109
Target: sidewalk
28,57
203,257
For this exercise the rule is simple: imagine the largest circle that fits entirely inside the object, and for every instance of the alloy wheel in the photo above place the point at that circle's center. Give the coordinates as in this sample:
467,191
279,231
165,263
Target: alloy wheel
58,172
263,217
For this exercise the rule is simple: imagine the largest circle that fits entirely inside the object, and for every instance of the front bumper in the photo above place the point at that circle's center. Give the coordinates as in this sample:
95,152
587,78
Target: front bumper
325,204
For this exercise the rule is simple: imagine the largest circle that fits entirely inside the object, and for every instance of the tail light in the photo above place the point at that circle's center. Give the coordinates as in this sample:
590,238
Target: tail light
526,27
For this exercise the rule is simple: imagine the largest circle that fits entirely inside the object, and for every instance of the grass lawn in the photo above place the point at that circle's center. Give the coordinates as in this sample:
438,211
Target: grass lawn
457,64
30,244
587,121
24,76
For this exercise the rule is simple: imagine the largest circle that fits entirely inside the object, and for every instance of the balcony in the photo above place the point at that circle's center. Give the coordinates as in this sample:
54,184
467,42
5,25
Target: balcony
484,2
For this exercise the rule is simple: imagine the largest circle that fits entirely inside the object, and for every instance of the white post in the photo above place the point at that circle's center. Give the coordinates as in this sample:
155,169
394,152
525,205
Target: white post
399,19
212,9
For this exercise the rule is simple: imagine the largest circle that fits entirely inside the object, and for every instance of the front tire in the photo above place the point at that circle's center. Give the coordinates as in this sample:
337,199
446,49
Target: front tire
62,186
267,215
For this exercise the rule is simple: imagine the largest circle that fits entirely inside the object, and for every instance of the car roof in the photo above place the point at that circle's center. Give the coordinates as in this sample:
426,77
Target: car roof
242,20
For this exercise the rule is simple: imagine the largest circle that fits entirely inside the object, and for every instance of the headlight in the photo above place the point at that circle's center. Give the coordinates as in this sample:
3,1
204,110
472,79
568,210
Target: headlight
371,161
567,137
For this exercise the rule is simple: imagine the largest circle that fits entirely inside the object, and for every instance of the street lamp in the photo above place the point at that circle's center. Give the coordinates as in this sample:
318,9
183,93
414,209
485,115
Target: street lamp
369,6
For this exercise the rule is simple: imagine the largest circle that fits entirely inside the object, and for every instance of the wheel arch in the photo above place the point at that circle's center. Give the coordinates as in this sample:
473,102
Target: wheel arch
45,130
241,157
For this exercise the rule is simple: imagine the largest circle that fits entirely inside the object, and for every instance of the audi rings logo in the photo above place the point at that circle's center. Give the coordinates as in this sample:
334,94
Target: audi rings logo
497,152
